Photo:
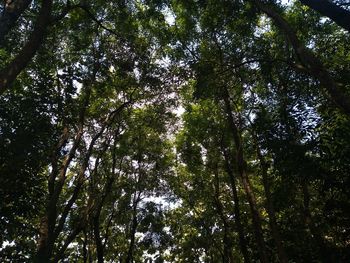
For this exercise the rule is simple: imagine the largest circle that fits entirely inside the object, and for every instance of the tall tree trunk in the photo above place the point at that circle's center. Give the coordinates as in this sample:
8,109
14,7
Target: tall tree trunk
43,254
237,210
310,63
323,253
334,12
96,218
269,203
227,256
98,240
85,244
242,170
133,228
48,230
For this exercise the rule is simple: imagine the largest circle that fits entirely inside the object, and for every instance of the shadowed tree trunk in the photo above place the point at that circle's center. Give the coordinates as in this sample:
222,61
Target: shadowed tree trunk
269,204
133,228
237,210
227,256
242,170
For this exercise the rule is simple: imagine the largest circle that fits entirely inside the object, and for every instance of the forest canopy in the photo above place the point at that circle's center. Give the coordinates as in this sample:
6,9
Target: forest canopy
175,131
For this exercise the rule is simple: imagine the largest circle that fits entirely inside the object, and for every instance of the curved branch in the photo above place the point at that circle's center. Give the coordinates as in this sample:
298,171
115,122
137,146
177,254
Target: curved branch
312,64
12,70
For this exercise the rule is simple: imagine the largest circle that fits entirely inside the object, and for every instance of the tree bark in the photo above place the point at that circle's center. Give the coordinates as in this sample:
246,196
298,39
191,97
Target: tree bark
12,70
324,253
334,12
310,62
133,228
269,204
242,170
237,210
96,220
12,12
227,256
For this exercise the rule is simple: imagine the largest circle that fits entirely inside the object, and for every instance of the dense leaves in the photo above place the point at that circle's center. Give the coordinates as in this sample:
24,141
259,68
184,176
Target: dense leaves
174,131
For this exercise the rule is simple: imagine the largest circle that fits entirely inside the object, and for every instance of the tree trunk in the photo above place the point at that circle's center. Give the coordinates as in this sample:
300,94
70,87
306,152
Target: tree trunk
133,228
96,219
227,256
85,243
237,210
242,170
43,254
334,12
323,253
270,207
98,240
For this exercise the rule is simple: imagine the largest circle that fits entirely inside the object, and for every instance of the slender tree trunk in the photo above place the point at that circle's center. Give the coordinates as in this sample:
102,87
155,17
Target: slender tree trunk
334,12
270,207
98,240
237,210
227,256
85,243
324,254
130,256
133,228
242,170
96,219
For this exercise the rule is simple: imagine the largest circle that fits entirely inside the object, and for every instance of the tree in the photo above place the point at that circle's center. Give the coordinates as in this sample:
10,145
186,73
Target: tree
173,131
339,15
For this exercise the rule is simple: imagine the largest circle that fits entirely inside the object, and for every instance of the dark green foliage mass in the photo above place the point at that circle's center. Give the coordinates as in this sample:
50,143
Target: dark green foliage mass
174,131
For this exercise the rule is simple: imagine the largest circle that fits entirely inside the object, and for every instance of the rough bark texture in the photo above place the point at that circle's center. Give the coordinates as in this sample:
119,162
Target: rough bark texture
310,62
326,8
12,70
242,170
12,12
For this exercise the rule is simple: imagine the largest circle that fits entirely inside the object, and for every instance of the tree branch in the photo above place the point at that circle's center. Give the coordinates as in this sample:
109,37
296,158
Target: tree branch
334,12
311,63
12,70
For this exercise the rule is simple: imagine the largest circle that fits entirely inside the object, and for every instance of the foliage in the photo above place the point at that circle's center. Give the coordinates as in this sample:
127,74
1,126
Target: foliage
173,131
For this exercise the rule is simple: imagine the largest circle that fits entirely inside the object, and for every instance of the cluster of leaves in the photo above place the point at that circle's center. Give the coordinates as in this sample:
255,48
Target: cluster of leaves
97,165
